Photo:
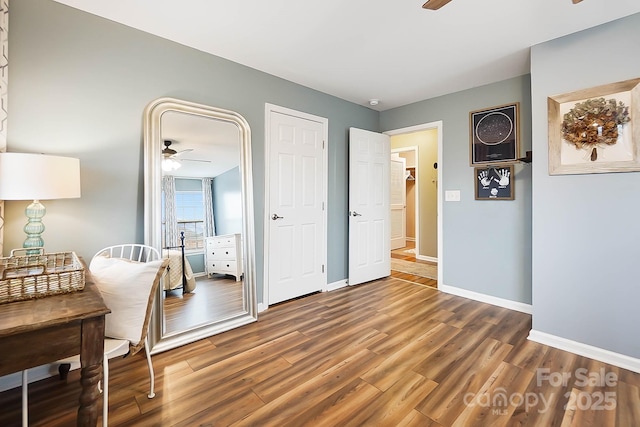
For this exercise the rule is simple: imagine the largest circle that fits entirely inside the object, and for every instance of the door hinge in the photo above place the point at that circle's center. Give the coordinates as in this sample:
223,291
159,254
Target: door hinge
322,205
323,145
323,268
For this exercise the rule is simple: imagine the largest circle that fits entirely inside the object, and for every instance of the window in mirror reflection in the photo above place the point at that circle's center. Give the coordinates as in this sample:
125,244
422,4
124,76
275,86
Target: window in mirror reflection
187,208
190,215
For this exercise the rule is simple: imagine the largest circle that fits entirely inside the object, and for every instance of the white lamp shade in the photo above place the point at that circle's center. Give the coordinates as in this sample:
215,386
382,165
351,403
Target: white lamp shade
25,176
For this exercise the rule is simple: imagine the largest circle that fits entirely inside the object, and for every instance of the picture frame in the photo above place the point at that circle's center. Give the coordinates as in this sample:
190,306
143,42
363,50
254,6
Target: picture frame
494,135
595,130
494,182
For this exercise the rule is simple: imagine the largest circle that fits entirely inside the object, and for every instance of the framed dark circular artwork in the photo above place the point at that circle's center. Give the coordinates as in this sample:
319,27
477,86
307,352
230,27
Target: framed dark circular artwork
495,134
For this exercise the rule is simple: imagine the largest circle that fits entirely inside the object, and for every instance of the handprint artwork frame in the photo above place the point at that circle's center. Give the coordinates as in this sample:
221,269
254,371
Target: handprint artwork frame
494,135
494,182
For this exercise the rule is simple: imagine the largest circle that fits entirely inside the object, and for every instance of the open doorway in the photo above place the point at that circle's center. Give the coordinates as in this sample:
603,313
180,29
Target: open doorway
419,147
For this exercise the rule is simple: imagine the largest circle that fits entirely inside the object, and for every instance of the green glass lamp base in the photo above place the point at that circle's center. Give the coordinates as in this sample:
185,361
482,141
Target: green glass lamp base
34,227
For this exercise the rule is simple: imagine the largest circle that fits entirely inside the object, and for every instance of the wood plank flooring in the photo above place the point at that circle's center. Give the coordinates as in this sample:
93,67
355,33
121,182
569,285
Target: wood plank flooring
385,353
402,254
214,298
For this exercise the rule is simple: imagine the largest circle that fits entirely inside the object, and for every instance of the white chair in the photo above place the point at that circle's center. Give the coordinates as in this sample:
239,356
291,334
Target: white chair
128,277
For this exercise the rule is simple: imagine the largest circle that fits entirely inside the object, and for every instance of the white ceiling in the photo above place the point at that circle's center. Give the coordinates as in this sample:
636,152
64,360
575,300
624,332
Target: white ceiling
205,147
391,50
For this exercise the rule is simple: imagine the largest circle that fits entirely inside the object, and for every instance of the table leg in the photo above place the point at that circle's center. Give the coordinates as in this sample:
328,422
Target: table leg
91,355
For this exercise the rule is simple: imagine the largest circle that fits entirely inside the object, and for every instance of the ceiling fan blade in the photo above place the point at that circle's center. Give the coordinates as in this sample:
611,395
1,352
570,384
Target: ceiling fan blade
576,1
435,4
183,151
196,160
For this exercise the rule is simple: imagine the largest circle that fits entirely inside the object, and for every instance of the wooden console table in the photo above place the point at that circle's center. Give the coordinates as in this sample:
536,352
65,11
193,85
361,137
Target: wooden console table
44,330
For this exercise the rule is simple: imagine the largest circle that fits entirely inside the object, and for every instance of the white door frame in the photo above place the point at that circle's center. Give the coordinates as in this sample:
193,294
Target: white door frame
440,193
268,109
416,196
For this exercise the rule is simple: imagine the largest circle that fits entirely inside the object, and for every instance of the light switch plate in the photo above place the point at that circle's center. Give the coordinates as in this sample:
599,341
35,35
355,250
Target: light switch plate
452,196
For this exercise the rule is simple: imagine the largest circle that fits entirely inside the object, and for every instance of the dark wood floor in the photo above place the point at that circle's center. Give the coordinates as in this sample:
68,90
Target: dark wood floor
385,353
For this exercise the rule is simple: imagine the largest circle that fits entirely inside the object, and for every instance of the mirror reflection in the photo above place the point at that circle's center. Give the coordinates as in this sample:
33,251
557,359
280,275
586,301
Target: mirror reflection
198,212
202,210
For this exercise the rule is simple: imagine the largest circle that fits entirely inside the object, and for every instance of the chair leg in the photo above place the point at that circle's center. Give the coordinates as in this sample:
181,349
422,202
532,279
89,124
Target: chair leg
25,399
151,394
105,392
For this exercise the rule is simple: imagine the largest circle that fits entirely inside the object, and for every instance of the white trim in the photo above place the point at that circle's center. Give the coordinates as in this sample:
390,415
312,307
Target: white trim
415,128
586,350
262,307
7,382
427,258
437,125
269,108
489,299
337,285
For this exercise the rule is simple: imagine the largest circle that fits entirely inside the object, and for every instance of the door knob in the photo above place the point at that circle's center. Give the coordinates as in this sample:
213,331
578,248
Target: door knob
354,213
275,216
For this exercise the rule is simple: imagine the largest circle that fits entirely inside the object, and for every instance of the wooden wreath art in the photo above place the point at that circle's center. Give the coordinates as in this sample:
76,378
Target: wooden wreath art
594,121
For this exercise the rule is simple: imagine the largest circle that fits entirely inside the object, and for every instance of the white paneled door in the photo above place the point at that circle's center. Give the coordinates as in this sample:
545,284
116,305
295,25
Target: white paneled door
398,202
296,242
369,234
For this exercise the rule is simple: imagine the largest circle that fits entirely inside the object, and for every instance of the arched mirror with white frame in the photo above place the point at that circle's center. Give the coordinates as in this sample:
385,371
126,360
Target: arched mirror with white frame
199,214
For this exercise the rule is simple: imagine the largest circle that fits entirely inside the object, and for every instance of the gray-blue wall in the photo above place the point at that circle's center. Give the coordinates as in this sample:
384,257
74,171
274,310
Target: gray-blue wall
78,86
227,202
486,244
586,228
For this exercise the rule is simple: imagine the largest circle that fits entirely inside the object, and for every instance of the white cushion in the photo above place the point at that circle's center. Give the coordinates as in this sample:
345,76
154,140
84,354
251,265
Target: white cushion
125,287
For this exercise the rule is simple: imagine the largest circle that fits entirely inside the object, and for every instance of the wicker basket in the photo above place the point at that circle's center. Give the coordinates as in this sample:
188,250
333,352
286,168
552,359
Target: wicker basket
39,275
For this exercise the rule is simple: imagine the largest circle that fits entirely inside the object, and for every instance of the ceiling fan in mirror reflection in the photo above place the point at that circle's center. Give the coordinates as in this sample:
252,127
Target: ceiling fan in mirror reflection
171,160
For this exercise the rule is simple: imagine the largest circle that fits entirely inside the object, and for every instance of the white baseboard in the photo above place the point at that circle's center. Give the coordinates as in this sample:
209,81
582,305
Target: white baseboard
38,373
586,350
330,287
427,258
500,302
336,285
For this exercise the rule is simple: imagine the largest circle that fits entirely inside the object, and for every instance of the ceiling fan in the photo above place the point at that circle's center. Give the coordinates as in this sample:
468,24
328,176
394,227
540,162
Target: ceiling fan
437,4
168,152
170,157
169,163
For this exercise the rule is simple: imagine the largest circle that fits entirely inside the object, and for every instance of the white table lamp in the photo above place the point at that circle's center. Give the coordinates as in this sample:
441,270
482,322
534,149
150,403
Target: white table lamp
36,177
